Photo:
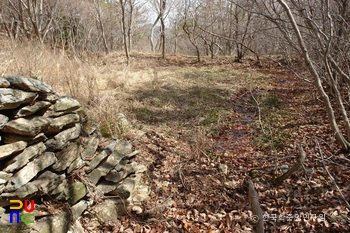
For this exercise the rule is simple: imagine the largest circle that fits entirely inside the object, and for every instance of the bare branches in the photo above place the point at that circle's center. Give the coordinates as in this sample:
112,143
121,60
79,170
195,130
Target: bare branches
330,176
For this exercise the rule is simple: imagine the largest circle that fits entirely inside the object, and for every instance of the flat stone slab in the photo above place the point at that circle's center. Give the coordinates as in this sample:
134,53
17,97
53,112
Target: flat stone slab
27,127
48,181
66,104
57,124
101,156
23,192
12,98
4,177
75,192
31,109
23,158
28,84
59,223
67,156
91,145
107,165
60,140
52,98
127,186
77,164
9,149
4,83
3,120
120,172
106,186
28,172
11,138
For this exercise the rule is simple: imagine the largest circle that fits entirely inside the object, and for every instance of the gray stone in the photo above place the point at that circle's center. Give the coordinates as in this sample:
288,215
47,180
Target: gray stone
77,164
6,227
31,109
4,177
4,83
28,84
60,188
23,192
59,223
3,120
91,145
27,127
9,149
11,138
106,187
106,211
96,161
57,124
28,172
127,186
52,98
65,104
75,192
123,147
48,181
23,158
106,166
67,156
60,140
12,98
121,171
98,158
78,209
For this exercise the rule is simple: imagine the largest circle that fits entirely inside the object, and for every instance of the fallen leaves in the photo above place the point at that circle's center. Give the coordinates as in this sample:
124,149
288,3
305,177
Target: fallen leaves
195,190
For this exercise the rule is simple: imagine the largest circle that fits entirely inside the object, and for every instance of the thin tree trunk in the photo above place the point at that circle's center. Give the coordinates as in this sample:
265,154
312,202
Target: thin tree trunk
99,19
317,80
122,5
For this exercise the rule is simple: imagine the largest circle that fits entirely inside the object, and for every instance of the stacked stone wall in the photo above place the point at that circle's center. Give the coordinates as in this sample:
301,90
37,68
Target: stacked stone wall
50,152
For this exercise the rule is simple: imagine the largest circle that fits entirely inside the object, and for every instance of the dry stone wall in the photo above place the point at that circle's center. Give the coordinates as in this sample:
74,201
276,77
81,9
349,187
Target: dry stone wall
50,152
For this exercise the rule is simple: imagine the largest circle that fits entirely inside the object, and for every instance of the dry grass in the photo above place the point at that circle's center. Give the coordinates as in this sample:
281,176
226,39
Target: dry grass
172,95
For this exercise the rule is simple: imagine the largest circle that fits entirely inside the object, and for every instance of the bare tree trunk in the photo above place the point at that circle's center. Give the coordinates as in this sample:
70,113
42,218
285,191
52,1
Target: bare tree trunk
317,79
130,24
162,25
184,27
99,20
126,49
152,33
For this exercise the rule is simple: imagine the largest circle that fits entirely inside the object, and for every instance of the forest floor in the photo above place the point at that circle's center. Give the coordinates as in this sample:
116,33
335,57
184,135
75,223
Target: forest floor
206,131
203,129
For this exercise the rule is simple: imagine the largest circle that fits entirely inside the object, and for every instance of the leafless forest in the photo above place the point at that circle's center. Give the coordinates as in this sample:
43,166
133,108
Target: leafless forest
188,74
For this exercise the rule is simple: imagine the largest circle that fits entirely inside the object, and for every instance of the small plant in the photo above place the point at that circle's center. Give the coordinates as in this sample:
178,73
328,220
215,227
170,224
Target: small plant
267,133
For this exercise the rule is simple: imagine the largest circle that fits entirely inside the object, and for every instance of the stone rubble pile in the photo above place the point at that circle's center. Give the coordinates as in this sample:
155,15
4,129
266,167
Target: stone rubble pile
51,153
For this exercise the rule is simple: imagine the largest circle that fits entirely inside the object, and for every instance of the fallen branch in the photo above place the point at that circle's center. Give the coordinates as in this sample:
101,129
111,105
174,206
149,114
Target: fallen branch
256,209
299,163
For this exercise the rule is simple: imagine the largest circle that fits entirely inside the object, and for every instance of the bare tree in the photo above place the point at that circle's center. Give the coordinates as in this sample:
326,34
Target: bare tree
29,18
190,26
98,9
124,30
319,33
162,8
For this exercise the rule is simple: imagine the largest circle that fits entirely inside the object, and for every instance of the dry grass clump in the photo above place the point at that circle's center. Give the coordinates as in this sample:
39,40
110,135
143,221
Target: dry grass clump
175,94
81,78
